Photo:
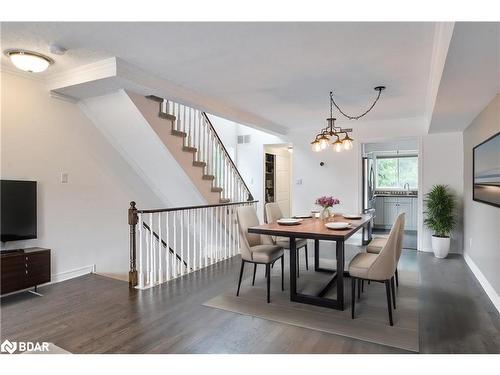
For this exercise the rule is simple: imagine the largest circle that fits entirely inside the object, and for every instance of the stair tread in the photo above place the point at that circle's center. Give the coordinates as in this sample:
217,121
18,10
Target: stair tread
198,163
208,177
224,200
189,148
216,189
154,98
178,133
167,116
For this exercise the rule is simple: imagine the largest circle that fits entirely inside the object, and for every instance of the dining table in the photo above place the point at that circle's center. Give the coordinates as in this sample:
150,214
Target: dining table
315,229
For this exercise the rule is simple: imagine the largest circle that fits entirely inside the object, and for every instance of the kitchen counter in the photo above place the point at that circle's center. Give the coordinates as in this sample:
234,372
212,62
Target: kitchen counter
397,195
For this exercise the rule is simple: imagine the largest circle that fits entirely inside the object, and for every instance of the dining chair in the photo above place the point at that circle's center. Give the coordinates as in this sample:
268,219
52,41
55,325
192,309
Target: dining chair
377,243
378,267
255,249
273,214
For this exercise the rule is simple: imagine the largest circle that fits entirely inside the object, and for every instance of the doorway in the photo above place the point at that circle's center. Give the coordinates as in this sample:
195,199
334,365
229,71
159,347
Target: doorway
390,186
278,176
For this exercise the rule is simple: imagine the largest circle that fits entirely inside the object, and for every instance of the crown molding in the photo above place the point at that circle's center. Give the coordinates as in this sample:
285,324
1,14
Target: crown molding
112,74
4,68
64,98
85,73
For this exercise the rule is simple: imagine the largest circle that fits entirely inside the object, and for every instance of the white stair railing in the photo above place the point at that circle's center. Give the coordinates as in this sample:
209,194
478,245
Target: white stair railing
201,138
171,242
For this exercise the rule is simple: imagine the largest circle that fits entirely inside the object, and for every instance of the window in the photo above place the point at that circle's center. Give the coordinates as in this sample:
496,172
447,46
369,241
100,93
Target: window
395,172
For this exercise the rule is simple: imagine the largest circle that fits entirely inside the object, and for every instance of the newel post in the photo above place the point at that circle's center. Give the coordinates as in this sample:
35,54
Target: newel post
132,222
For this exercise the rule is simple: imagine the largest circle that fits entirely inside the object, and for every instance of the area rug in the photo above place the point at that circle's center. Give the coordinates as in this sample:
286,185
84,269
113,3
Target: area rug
371,323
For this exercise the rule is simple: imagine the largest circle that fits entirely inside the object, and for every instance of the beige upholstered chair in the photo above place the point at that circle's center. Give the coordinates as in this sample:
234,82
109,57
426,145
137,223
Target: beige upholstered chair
273,214
254,248
378,267
378,243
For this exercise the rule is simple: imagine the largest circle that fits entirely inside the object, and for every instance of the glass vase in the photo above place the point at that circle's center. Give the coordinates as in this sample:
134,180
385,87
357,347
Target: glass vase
325,214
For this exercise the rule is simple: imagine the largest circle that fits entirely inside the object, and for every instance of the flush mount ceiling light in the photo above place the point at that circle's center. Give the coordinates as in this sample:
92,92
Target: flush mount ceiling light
29,61
322,140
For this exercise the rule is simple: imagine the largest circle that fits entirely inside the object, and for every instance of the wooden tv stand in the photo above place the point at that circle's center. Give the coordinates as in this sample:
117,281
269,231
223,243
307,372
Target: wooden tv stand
24,268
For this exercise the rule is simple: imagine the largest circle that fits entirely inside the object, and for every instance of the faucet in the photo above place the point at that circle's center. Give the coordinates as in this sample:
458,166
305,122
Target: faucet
406,186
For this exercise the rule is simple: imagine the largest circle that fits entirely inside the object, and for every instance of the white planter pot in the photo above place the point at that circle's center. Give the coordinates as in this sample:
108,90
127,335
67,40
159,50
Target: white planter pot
440,246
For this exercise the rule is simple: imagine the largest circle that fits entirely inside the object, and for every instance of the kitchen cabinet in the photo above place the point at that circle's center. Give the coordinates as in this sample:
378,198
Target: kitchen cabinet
388,208
379,212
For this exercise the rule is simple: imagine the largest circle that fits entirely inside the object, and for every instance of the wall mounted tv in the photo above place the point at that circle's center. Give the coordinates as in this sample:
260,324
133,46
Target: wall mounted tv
17,210
486,171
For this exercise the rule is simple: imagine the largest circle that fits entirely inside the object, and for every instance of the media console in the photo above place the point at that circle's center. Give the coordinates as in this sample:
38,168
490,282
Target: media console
24,268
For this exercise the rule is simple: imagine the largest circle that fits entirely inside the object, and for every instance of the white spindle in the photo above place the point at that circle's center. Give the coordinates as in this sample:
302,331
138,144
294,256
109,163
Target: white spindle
193,115
167,240
206,237
160,251
150,252
140,259
212,234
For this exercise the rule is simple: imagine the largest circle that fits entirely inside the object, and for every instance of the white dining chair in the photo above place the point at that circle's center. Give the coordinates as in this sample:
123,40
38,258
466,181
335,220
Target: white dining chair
377,267
377,243
254,248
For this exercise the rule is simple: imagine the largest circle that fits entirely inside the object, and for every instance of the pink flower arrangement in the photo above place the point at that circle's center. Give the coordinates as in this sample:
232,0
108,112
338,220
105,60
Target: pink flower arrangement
327,201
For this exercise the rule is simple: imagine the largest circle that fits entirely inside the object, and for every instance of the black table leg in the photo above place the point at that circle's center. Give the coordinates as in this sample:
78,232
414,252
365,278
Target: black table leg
340,274
317,268
316,255
293,269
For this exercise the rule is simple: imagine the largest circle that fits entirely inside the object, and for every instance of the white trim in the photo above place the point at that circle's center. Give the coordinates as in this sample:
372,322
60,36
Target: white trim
4,68
71,274
108,75
64,98
488,288
91,72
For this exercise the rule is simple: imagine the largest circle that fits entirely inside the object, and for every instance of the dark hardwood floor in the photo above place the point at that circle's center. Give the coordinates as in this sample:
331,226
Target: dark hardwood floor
455,314
95,314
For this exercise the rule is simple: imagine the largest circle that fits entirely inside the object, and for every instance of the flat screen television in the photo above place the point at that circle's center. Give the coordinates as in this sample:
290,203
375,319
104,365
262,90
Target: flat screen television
17,210
486,171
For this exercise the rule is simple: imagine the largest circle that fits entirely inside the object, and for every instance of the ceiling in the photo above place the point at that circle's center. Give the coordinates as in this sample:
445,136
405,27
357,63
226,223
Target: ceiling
471,76
281,71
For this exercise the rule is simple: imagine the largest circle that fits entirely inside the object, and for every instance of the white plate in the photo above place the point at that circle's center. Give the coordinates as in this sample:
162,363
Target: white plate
305,216
337,225
352,216
289,221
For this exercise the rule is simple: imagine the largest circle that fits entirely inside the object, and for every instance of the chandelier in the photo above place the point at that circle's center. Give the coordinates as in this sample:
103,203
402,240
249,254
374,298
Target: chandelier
324,138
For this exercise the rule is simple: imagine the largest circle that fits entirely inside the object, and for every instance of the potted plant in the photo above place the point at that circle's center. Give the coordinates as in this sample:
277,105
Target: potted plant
440,218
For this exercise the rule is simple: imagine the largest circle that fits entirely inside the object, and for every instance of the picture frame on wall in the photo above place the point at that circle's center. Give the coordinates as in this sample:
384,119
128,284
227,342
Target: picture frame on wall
486,171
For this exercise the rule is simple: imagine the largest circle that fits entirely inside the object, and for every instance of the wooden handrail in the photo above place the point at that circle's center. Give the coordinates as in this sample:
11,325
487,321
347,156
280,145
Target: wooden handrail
156,210
250,196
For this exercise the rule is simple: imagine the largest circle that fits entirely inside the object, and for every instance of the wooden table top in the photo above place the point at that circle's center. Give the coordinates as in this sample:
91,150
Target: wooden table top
312,228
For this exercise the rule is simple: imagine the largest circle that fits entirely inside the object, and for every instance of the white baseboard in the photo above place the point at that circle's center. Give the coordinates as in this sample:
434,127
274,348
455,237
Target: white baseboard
488,288
70,274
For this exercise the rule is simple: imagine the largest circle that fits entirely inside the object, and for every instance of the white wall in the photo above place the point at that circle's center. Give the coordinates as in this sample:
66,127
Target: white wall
84,222
249,157
482,221
228,133
338,177
442,163
123,124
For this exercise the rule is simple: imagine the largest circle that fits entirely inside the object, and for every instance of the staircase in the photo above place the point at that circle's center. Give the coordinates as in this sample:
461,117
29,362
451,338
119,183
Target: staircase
197,147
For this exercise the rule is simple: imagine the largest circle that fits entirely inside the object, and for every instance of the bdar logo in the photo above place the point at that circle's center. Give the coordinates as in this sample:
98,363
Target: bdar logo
9,347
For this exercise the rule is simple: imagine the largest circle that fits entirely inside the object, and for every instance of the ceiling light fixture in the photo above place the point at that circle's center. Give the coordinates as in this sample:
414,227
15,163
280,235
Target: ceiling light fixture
29,61
322,140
